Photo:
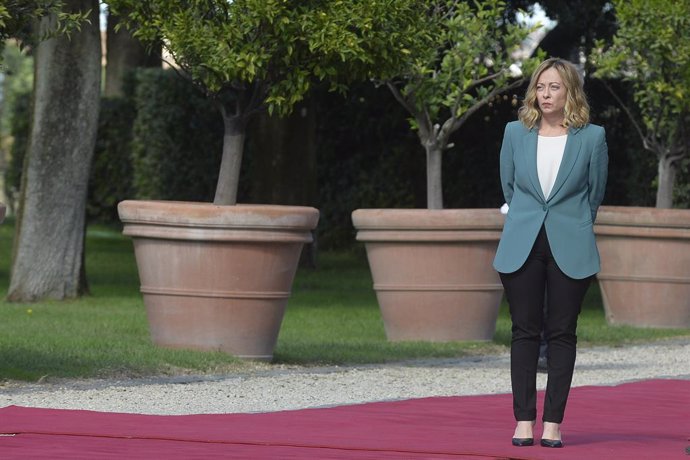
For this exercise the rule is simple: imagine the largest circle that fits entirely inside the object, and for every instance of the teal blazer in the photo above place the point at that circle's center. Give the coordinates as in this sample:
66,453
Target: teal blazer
568,214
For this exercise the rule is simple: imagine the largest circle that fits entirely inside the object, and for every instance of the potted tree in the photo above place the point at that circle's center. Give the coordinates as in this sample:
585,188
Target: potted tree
217,276
645,252
432,267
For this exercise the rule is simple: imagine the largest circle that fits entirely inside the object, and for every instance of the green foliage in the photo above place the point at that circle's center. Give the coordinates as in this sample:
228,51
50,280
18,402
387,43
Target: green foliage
161,141
273,48
651,50
4,16
20,127
378,161
375,156
16,17
17,85
177,139
467,58
632,170
18,70
251,55
110,180
682,190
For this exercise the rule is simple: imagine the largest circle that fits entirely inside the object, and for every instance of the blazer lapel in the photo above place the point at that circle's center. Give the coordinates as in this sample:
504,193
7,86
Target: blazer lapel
572,151
530,149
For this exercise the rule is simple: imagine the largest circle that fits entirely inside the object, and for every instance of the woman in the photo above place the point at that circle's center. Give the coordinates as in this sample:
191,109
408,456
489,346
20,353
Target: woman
553,167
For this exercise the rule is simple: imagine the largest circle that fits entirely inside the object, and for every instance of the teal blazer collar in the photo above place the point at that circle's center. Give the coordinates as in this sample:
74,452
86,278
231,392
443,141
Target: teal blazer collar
572,151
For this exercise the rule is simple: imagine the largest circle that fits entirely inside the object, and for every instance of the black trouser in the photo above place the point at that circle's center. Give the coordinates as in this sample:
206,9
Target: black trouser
525,293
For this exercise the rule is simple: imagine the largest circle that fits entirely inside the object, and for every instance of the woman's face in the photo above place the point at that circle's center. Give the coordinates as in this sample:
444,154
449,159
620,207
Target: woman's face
551,93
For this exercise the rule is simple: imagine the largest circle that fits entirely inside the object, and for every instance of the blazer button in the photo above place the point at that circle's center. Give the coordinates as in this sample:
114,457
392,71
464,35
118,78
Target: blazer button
544,208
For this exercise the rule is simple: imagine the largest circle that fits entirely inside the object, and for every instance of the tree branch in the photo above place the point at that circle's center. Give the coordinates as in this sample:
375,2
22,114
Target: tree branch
451,125
449,12
422,119
473,84
401,99
256,100
485,79
630,116
677,157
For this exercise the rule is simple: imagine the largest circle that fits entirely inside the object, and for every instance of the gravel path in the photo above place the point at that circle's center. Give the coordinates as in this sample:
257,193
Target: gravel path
271,388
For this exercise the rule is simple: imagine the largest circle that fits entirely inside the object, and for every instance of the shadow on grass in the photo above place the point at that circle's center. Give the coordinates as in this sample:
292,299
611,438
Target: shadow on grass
33,365
340,353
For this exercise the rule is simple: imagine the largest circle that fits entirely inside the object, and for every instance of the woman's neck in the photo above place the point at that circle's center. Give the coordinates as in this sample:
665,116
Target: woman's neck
552,126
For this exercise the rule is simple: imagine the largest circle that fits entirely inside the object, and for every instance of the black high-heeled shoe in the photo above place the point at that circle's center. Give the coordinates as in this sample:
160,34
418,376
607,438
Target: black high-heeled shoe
523,442
553,443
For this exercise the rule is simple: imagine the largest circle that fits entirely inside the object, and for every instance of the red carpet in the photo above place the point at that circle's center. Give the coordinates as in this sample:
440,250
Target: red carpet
643,420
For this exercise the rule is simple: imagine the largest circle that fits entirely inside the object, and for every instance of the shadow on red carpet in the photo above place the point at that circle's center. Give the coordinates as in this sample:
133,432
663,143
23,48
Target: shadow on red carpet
642,420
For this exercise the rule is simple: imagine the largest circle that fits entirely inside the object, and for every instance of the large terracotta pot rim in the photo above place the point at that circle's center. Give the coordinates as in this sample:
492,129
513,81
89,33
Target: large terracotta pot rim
644,265
216,277
638,216
186,213
432,271
473,219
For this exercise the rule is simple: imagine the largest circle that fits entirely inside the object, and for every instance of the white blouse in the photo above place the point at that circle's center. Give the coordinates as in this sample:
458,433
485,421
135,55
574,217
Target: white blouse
549,156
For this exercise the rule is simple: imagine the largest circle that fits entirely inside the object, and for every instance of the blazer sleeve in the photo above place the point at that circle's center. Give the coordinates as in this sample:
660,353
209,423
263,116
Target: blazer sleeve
507,166
598,173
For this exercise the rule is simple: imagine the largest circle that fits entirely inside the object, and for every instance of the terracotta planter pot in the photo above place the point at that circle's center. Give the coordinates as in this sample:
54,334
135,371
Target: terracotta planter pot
216,277
433,271
645,265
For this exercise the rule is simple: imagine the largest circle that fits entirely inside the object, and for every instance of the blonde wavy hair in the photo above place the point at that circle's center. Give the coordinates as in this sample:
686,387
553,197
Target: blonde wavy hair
576,106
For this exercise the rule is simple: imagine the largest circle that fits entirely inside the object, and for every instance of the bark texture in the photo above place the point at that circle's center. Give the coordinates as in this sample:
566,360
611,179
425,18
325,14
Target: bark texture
233,150
49,243
434,166
667,180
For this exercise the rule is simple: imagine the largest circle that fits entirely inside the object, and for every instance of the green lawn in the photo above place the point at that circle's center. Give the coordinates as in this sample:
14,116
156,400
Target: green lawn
332,318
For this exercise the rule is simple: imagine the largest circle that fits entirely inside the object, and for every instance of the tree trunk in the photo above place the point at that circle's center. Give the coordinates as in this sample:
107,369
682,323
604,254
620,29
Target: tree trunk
434,188
3,154
233,148
49,243
666,179
124,53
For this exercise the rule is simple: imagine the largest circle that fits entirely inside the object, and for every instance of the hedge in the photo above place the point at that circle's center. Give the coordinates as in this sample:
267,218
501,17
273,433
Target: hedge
164,141
177,139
